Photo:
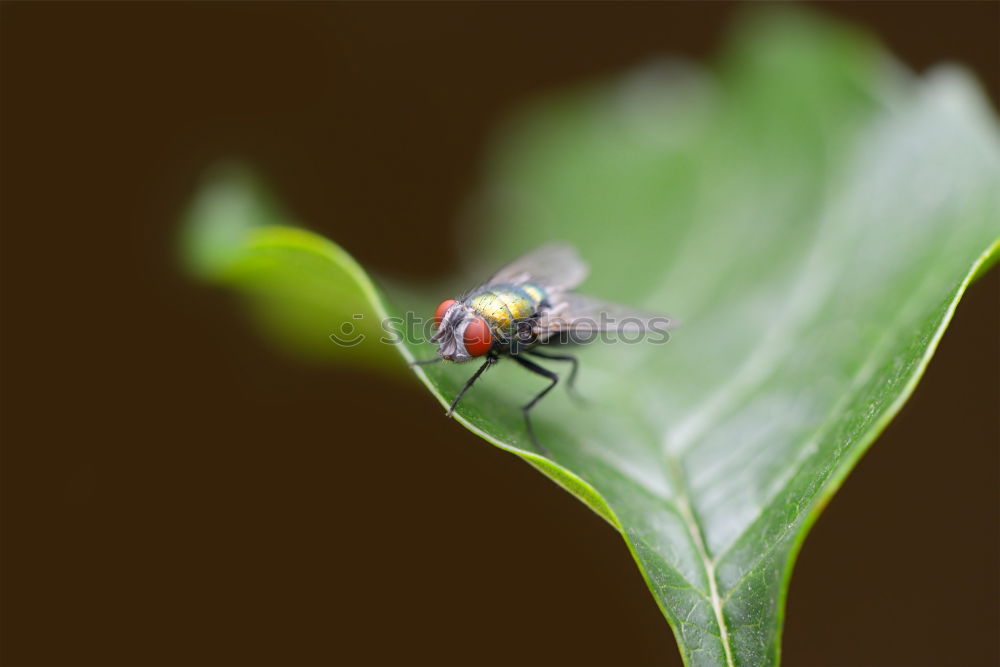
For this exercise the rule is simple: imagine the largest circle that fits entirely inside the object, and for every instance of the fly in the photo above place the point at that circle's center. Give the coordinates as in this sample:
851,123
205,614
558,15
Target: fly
525,309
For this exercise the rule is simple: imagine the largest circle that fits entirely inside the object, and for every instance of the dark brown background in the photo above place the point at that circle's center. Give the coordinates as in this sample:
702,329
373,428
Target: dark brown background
174,493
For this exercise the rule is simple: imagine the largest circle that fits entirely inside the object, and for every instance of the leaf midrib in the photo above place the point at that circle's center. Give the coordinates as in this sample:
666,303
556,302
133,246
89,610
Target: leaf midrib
694,528
683,501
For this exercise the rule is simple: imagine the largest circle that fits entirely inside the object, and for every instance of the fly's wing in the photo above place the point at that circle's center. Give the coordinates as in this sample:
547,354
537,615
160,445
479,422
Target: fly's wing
576,318
556,267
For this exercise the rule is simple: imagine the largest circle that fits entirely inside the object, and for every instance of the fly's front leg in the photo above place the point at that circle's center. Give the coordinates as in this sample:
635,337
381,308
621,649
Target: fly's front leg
571,381
490,360
535,368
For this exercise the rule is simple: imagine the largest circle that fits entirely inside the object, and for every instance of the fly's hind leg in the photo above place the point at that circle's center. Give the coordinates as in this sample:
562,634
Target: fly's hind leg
571,380
535,368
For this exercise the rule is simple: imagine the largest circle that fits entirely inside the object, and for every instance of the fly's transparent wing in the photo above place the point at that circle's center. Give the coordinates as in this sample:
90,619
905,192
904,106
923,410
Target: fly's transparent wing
576,318
555,266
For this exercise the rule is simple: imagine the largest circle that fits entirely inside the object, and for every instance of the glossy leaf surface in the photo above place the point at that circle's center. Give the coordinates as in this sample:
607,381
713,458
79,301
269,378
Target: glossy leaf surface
810,211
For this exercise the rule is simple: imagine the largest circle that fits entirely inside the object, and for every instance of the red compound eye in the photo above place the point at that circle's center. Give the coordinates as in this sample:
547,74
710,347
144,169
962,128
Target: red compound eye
478,338
441,310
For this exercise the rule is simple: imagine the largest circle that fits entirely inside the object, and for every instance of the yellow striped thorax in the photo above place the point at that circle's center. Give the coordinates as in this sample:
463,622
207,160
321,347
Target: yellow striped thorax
504,305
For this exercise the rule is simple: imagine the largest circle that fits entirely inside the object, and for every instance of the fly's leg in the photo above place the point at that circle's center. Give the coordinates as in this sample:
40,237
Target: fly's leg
535,368
490,360
425,362
571,381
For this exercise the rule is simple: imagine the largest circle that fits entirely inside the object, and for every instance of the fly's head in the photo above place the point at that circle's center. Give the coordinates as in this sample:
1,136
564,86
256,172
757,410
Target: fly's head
462,333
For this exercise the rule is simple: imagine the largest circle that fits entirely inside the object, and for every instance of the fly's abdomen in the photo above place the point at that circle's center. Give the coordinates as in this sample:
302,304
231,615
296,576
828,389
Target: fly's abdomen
504,306
536,293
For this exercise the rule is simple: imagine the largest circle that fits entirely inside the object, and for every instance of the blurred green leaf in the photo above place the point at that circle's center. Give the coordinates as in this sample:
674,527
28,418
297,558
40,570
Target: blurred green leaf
811,211
301,288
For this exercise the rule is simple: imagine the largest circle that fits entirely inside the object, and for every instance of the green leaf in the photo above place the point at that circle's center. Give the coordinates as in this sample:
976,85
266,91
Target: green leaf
811,212
301,288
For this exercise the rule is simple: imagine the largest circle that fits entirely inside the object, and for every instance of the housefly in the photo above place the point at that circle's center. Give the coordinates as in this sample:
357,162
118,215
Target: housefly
526,310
